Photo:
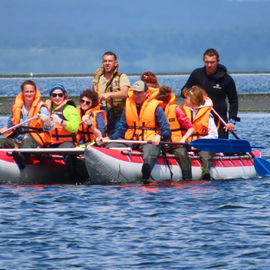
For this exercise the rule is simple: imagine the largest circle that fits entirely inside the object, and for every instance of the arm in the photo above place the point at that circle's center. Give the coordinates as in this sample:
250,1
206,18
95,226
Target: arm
162,122
212,129
185,123
120,133
233,99
233,105
96,132
72,123
123,91
187,135
101,125
47,124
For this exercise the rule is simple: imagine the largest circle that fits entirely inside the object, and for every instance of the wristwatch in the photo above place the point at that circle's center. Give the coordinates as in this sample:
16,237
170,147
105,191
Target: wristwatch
232,121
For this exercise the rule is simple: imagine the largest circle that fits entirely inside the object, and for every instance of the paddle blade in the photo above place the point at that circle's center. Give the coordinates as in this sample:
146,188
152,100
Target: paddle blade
262,166
222,145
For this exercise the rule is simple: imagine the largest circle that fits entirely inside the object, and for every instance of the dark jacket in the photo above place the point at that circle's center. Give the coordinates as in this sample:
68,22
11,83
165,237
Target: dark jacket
218,86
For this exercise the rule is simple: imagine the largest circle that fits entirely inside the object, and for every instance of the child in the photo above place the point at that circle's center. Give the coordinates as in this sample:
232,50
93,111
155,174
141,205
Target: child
181,129
198,108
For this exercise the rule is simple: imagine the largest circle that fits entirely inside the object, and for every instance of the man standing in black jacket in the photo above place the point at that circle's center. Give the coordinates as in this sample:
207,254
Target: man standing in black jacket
219,85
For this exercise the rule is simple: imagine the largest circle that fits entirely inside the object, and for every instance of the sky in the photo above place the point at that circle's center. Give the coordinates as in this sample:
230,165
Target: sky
70,36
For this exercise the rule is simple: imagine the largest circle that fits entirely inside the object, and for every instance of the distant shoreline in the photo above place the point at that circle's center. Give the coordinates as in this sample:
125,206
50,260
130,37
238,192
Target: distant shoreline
247,103
31,75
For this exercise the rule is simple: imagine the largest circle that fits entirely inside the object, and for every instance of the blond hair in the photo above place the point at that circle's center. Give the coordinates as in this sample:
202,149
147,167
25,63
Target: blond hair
196,95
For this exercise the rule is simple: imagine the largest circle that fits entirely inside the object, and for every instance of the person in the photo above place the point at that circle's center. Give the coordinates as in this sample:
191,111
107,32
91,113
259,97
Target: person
66,123
64,116
219,85
112,87
143,119
181,129
93,121
198,108
150,79
34,133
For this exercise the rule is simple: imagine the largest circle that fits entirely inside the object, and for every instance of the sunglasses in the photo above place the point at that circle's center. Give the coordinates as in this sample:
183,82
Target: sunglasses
82,101
57,94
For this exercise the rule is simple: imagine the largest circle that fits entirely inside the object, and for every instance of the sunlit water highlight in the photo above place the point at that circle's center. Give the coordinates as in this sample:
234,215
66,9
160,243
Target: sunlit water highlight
245,83
190,225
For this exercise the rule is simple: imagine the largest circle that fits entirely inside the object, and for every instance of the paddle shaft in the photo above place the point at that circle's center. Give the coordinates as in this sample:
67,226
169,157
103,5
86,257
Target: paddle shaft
20,124
141,142
224,123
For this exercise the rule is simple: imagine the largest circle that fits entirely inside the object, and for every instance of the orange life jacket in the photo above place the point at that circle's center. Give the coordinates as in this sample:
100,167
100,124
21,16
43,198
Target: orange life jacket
200,122
59,133
143,126
175,126
84,130
153,92
35,127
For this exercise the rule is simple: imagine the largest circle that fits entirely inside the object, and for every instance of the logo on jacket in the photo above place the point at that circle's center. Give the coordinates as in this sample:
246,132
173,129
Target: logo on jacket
115,83
217,86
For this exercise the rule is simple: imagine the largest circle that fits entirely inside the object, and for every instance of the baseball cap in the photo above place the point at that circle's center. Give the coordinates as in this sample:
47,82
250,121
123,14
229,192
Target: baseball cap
139,86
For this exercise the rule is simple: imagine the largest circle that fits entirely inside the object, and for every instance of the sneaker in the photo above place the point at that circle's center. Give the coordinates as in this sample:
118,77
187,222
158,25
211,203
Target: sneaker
205,174
19,159
146,171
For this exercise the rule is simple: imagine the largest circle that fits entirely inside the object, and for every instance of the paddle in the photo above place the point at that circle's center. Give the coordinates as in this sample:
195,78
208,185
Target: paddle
18,125
261,165
222,145
210,145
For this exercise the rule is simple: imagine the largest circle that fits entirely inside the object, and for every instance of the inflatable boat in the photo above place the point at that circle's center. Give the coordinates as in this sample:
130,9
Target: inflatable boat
123,166
102,165
44,167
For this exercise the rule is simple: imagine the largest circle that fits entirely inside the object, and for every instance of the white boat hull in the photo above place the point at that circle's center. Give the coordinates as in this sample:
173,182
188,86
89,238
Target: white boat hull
118,166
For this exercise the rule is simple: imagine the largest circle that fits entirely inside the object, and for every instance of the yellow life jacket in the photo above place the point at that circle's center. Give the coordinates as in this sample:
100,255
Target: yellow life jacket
115,106
84,130
141,126
200,122
35,127
59,133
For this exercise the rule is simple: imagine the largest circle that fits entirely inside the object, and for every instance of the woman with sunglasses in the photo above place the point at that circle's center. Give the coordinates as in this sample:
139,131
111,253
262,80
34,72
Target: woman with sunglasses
65,117
93,120
66,123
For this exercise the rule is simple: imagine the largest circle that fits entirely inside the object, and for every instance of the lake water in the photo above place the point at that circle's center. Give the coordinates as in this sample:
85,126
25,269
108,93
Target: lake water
245,83
192,225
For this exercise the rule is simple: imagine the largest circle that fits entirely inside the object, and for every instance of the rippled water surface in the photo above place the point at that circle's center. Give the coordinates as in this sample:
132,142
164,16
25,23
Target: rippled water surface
245,83
190,225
